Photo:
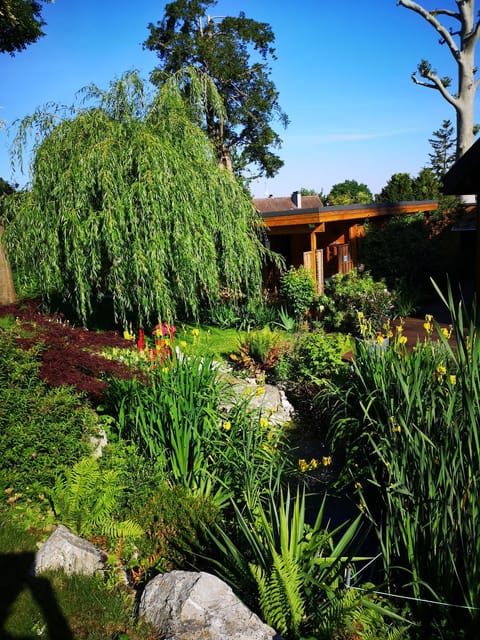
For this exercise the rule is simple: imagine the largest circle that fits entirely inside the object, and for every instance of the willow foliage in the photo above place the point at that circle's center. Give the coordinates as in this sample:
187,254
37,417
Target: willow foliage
129,201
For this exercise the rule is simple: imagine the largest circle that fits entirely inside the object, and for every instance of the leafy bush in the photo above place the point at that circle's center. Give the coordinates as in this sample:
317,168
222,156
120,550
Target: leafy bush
317,355
348,294
41,429
298,289
68,355
174,521
407,251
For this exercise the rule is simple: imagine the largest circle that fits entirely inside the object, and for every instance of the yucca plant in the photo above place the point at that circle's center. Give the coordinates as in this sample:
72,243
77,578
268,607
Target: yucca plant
293,569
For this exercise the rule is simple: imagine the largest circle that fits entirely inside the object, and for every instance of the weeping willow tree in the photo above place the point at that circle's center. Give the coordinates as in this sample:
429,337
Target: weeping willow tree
127,200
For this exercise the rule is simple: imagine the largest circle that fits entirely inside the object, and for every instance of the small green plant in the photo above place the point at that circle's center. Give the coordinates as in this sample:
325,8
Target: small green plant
87,499
348,294
285,321
298,289
295,570
259,350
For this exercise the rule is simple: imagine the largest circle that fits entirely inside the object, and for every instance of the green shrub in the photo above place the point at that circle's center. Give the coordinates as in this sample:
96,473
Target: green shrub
348,294
173,521
259,350
41,429
318,355
298,289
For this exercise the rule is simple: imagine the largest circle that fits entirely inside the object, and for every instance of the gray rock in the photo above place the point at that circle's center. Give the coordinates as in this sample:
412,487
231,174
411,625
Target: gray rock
67,551
184,605
270,401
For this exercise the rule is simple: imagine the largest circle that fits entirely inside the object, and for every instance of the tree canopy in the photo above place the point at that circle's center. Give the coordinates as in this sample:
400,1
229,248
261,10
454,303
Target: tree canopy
127,200
20,24
235,53
349,192
401,187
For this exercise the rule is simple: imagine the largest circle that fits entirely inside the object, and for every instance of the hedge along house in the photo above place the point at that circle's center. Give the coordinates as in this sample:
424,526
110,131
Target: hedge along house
323,239
463,179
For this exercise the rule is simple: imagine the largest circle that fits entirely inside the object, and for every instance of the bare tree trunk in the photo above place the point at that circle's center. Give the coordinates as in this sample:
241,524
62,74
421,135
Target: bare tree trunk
7,289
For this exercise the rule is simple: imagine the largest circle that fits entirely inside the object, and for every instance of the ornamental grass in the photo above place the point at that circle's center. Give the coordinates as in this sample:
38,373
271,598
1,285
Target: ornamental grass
409,423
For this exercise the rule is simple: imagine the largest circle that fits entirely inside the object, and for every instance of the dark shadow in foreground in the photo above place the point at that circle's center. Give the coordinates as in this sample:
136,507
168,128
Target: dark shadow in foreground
17,574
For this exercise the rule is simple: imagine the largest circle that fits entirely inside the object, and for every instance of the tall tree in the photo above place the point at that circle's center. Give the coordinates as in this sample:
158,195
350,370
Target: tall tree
20,24
461,40
426,186
349,192
399,188
127,199
235,53
443,145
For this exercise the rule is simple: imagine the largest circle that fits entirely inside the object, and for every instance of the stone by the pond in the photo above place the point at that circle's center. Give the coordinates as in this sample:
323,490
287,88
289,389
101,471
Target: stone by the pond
66,551
184,605
267,399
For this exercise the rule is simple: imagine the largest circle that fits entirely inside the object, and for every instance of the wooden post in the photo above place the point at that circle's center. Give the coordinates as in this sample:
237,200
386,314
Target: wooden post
313,251
320,275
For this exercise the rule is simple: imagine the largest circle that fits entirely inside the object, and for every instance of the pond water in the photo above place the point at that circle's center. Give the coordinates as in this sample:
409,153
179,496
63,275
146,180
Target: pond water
307,442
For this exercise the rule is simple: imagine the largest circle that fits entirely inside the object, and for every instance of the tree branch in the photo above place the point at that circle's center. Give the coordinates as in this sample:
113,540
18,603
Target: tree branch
429,16
435,83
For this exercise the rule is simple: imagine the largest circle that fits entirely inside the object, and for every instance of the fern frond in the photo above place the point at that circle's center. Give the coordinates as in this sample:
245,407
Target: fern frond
280,595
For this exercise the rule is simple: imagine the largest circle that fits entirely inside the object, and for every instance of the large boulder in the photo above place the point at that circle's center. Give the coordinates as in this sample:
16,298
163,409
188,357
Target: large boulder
66,551
183,605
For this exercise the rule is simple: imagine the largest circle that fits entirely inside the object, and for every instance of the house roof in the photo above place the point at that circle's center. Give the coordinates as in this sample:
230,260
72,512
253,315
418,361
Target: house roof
464,177
299,220
270,205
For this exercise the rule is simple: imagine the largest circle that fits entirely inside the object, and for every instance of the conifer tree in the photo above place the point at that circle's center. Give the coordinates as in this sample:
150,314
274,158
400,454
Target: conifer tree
443,145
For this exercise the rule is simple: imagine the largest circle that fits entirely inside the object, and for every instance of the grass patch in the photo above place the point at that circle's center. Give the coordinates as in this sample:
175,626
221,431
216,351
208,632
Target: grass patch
56,606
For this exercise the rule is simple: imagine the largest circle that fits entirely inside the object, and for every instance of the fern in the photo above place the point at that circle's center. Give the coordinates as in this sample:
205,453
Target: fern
281,596
85,500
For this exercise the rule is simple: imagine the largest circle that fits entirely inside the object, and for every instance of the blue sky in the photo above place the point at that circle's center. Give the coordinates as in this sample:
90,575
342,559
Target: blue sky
342,70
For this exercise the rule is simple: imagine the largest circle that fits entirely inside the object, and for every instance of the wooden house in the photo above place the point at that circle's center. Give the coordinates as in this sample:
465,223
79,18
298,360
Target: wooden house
324,239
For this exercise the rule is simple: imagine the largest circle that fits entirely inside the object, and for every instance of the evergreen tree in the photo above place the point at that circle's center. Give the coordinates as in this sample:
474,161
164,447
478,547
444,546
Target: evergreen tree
443,145
235,53
20,24
426,186
398,189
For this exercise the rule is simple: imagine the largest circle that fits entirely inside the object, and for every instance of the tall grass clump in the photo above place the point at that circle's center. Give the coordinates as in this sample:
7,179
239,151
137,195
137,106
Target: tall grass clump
410,420
182,415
